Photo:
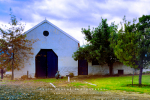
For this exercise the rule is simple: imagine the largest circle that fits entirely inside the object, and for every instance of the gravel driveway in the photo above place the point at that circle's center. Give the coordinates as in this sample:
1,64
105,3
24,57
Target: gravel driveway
45,91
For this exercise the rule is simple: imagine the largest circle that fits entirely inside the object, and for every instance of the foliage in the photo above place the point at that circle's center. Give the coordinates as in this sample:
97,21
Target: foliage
15,49
144,27
147,72
82,51
125,46
132,46
98,47
24,77
144,22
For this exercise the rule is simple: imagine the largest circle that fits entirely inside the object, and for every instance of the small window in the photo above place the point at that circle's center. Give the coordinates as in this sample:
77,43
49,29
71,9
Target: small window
120,72
95,62
45,33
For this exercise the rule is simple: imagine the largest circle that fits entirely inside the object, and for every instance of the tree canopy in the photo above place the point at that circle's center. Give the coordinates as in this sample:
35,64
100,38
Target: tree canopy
14,45
98,47
132,46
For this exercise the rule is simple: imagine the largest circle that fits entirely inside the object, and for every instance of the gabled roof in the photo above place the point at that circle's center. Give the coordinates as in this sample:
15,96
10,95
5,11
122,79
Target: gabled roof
46,21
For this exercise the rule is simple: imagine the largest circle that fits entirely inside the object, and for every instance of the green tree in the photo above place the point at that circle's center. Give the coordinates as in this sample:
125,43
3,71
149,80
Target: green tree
131,46
144,22
98,47
15,49
144,28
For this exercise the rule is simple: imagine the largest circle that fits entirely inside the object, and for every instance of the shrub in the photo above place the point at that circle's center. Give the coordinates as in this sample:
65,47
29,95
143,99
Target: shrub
71,74
7,75
24,77
143,73
147,72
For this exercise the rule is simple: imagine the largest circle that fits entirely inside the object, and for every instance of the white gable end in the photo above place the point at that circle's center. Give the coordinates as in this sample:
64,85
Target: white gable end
58,29
61,44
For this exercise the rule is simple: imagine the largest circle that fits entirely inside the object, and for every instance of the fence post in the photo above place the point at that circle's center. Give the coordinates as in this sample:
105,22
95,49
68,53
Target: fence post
2,72
132,77
27,74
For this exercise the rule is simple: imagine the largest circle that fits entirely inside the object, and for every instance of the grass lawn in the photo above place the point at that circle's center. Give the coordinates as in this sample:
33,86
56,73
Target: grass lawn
122,83
107,83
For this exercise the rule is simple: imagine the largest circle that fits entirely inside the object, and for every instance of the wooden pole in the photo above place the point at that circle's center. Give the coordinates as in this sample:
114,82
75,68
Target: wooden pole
27,74
12,77
2,73
132,78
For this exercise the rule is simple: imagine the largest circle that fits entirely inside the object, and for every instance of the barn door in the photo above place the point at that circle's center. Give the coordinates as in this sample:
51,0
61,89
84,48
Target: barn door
46,63
41,64
82,67
52,64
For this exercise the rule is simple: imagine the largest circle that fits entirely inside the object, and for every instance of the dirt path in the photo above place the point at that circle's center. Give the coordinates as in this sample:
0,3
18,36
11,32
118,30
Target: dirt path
45,91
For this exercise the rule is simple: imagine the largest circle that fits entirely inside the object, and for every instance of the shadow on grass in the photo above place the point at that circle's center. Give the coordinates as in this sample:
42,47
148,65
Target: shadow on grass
137,85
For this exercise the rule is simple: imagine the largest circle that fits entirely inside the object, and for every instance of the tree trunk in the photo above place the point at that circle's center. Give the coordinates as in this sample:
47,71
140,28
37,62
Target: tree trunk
140,75
132,78
12,77
2,73
110,69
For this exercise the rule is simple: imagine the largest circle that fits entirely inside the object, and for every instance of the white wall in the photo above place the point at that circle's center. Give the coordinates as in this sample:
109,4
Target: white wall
97,69
60,43
120,66
104,69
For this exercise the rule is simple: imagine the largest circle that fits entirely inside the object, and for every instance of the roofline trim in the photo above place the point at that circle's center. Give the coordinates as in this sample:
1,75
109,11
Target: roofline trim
46,21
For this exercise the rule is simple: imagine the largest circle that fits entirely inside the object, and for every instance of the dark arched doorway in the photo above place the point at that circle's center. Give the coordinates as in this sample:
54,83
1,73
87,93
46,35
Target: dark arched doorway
46,62
82,67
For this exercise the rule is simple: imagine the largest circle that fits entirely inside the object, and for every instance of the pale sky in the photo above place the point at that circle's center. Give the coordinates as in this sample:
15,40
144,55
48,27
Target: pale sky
72,15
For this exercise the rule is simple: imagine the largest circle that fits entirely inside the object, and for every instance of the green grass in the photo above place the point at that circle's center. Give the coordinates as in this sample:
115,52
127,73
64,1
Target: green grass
78,84
108,83
121,83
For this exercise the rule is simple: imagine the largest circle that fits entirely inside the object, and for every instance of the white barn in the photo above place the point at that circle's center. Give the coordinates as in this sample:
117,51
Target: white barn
58,47
53,52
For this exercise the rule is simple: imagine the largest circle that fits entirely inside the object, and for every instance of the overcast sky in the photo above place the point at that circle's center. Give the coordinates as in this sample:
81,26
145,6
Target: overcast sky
72,15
